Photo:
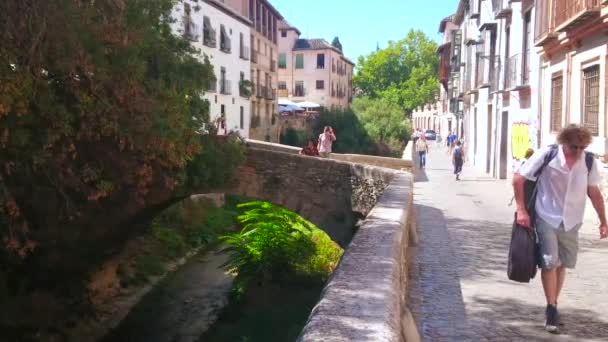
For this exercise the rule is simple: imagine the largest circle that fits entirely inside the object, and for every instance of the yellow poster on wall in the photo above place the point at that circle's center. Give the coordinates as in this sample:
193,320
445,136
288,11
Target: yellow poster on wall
520,139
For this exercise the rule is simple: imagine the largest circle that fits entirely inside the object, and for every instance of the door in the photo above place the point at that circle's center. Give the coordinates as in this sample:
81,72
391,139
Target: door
504,132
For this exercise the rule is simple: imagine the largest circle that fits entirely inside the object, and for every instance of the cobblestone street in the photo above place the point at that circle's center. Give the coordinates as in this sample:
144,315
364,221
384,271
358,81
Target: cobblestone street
459,290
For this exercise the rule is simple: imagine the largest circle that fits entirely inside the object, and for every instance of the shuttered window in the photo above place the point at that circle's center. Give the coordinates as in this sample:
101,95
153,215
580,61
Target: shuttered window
591,98
299,61
556,103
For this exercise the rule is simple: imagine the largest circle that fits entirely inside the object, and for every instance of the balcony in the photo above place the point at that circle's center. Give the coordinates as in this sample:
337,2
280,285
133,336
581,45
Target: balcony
571,13
245,88
481,77
245,54
283,93
260,91
500,9
254,56
225,87
209,37
273,65
515,78
225,44
299,91
554,16
270,94
494,76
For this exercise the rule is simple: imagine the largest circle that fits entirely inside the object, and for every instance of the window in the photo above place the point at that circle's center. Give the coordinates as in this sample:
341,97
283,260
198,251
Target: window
208,33
320,84
225,44
299,89
242,121
299,61
320,61
282,85
282,61
267,110
283,33
591,98
556,103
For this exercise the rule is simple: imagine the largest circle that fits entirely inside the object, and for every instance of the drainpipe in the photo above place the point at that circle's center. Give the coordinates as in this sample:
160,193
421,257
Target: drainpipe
568,84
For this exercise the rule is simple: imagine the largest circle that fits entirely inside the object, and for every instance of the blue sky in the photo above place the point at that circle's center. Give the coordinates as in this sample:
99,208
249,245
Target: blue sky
361,23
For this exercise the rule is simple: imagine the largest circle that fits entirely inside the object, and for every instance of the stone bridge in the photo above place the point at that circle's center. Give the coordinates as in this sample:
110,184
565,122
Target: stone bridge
365,298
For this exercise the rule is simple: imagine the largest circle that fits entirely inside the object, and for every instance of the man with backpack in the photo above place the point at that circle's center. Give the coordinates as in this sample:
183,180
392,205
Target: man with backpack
564,174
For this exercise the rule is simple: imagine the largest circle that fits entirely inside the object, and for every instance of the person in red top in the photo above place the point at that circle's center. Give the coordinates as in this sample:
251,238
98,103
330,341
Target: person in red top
310,149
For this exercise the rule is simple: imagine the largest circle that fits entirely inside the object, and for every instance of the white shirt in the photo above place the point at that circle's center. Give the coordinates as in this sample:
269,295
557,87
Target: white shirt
562,192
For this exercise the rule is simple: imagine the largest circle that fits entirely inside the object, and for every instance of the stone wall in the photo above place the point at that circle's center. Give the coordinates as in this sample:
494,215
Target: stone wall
332,194
365,300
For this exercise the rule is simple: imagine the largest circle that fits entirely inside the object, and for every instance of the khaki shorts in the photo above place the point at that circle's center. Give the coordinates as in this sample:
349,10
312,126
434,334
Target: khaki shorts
557,246
324,154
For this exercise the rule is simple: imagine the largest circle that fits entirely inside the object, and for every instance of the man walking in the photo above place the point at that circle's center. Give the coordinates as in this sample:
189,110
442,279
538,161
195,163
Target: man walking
422,148
560,205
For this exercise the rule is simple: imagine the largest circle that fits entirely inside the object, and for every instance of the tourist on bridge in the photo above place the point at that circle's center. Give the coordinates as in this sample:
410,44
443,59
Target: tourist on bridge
325,140
310,149
565,174
457,159
423,149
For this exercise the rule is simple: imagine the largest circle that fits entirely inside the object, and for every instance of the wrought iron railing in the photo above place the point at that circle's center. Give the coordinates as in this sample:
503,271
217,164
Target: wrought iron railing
225,87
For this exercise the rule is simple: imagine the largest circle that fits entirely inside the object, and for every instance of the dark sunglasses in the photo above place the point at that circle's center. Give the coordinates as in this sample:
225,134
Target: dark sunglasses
577,147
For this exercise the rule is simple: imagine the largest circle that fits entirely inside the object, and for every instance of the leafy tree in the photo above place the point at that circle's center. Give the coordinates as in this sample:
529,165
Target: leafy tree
336,43
384,121
405,72
350,132
100,120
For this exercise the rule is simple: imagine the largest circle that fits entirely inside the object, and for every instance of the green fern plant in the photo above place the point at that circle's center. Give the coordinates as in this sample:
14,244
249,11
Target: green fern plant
271,243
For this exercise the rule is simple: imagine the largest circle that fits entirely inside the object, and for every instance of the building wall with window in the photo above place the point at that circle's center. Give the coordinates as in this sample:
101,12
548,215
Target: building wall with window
491,82
573,75
313,70
216,30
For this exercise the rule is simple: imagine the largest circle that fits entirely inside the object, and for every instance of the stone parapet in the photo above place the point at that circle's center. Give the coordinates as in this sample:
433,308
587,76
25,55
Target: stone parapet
365,299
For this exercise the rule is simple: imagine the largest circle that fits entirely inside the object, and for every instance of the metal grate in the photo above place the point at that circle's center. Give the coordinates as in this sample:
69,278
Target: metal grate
591,98
556,103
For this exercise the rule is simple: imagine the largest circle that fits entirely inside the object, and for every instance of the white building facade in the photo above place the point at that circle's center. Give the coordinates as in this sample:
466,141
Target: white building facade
220,33
490,93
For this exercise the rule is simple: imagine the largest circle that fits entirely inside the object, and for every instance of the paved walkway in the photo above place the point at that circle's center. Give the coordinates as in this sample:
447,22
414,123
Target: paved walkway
459,290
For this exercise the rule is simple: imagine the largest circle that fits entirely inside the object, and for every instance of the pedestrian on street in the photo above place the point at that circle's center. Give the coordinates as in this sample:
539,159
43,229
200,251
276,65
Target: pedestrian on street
457,159
325,140
451,139
569,175
423,149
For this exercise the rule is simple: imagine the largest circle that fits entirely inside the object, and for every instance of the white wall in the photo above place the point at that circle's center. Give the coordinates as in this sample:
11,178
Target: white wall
232,62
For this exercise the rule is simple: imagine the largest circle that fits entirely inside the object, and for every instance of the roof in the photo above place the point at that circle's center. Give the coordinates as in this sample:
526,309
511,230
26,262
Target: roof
318,44
444,22
285,25
443,46
272,9
348,60
312,44
459,15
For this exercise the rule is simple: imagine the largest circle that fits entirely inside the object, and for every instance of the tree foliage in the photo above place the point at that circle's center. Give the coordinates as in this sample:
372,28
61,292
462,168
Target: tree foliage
100,118
336,43
384,121
405,72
